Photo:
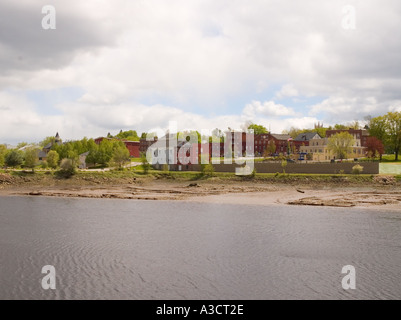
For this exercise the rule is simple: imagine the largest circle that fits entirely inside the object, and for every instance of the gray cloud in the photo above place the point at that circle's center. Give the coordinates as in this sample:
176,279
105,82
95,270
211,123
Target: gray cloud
26,46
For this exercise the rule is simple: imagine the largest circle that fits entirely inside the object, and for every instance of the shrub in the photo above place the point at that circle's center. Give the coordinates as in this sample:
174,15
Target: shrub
208,170
31,158
284,165
52,159
357,169
165,168
145,163
67,167
14,158
44,165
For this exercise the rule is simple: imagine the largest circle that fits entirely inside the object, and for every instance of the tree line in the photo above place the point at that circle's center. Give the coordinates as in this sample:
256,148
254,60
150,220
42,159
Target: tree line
110,152
384,137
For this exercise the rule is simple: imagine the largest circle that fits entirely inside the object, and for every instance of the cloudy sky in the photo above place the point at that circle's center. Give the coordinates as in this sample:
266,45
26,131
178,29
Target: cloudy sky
112,65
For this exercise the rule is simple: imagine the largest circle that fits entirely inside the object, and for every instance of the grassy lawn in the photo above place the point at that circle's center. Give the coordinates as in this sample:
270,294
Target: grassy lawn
390,158
126,175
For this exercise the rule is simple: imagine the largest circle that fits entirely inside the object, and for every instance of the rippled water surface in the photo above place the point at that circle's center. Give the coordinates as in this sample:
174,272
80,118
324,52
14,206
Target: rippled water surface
124,249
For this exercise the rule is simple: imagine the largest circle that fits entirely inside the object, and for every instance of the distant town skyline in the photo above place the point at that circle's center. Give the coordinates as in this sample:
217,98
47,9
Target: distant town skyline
205,64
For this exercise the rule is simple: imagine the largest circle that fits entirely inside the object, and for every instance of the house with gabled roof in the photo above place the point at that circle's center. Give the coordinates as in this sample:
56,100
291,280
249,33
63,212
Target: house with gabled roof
46,149
307,136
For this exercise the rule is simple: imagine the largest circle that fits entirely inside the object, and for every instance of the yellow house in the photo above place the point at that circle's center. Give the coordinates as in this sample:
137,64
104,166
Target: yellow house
319,151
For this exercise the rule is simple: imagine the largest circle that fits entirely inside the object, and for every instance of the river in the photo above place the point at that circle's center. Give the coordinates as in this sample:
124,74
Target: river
128,249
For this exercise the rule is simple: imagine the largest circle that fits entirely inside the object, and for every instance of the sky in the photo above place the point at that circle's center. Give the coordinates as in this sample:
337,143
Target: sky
122,65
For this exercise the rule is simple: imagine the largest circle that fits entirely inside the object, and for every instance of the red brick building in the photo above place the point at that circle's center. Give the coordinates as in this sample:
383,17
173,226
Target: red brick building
133,148
281,141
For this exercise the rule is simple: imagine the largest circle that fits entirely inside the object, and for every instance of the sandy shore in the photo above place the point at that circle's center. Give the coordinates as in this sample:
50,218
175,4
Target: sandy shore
217,191
370,199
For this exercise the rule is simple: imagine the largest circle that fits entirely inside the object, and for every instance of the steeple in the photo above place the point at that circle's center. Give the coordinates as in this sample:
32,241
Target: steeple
57,138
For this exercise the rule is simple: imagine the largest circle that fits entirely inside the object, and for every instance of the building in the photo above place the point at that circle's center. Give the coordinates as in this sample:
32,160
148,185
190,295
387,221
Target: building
318,150
42,155
307,136
144,144
133,148
82,160
358,134
56,140
283,142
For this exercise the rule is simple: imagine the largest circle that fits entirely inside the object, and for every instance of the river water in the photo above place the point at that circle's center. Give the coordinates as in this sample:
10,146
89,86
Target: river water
127,249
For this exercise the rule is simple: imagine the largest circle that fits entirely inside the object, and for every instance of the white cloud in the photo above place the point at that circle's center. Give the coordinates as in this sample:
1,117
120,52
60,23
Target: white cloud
139,63
267,109
19,117
287,90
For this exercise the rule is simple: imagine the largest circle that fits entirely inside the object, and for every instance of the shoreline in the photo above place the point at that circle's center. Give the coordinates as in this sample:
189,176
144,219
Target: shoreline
225,192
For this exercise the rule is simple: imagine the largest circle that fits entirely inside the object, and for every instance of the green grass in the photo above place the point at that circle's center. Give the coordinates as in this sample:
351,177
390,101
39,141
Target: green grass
390,158
121,176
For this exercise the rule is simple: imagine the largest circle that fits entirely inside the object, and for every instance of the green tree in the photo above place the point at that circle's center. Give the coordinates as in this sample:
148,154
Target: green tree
74,157
377,128
93,149
46,141
52,159
257,129
320,131
393,128
341,144
120,156
271,147
31,158
14,158
67,167
387,128
21,145
340,127
145,163
130,135
3,151
105,152
217,136
354,125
